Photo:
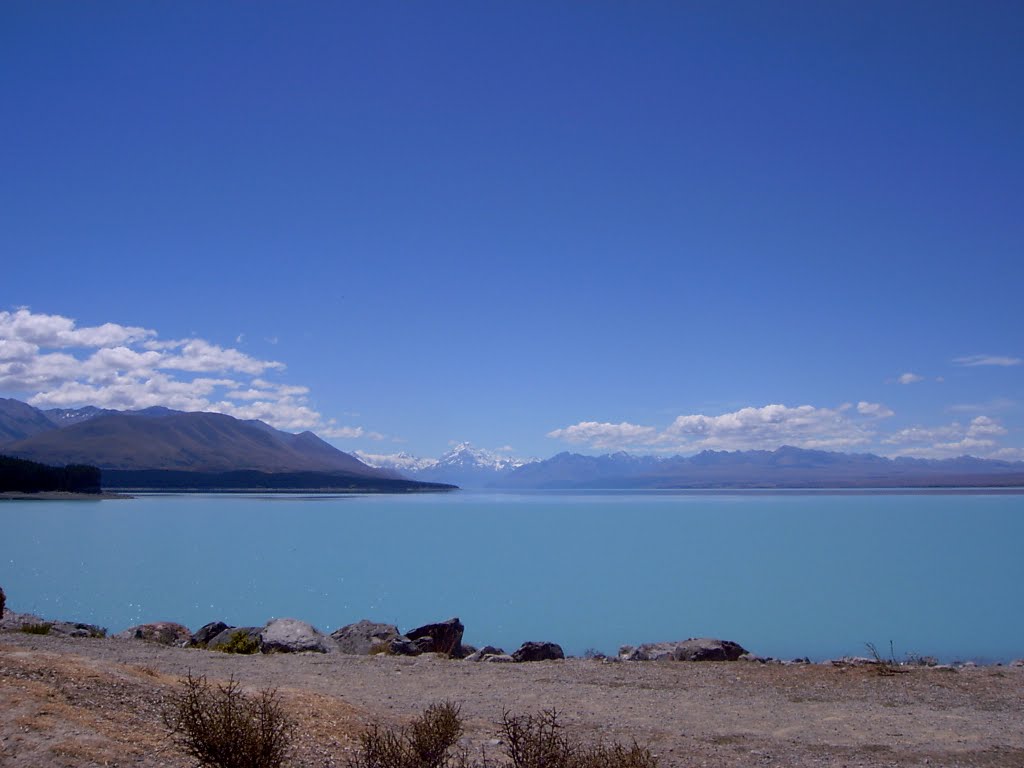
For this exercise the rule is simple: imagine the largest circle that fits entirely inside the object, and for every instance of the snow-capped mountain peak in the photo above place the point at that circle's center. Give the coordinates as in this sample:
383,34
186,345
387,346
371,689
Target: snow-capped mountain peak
464,464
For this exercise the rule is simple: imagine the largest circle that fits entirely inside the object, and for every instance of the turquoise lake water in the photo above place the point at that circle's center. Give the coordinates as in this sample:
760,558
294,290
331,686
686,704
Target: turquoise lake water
785,575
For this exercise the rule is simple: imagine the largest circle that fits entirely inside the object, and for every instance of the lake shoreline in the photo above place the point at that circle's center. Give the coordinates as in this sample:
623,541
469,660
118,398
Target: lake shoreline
105,696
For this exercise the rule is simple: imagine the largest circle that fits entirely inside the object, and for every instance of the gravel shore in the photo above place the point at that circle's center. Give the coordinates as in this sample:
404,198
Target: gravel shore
93,702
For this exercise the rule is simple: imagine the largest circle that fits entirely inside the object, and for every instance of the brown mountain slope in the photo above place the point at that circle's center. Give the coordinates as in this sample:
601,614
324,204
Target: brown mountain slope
208,442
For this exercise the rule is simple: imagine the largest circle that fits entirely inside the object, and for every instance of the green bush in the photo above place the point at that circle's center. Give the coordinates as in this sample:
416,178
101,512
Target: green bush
37,629
240,642
222,727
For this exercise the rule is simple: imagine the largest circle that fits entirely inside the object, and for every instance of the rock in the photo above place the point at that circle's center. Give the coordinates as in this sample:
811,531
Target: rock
237,640
532,651
202,636
403,646
483,653
160,633
694,649
425,644
446,636
500,658
294,636
77,629
649,652
365,637
466,651
1017,663
3,602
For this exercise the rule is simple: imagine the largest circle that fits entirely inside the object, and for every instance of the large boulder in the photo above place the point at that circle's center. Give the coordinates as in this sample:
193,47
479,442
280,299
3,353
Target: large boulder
446,637
3,602
238,640
365,637
159,632
532,651
694,649
294,636
201,637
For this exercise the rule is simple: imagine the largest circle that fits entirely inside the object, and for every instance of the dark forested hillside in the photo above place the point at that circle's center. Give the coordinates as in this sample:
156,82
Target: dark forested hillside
22,476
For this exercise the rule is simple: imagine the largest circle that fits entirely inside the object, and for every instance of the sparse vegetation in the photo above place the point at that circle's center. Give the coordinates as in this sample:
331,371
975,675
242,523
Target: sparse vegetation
223,727
43,628
242,642
531,741
885,667
427,743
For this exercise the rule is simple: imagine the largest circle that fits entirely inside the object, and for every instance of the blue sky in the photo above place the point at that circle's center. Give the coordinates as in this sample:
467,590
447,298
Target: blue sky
533,226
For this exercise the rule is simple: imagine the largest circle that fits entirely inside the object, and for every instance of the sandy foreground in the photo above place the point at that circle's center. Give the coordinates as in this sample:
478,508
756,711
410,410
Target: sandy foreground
98,702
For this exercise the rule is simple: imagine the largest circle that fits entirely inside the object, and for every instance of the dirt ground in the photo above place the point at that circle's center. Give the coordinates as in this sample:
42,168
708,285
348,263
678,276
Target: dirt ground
98,702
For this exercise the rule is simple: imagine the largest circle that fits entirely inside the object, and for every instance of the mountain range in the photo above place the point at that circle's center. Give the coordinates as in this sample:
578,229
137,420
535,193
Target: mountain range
784,467
464,465
159,447
195,447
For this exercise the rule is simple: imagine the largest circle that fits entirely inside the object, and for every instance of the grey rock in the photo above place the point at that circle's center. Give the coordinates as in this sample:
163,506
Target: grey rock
694,649
3,602
159,633
534,651
294,636
425,644
232,635
77,629
483,653
365,637
500,658
1017,663
202,636
403,646
446,636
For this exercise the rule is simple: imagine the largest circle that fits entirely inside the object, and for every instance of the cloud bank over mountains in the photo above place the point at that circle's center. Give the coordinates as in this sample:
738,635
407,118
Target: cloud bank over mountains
846,428
57,364
52,362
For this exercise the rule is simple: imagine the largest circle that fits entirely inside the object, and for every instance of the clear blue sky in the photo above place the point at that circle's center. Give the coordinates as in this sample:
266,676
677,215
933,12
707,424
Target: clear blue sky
539,225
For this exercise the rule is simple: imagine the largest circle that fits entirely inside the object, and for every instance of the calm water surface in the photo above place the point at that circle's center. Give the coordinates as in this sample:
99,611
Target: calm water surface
784,574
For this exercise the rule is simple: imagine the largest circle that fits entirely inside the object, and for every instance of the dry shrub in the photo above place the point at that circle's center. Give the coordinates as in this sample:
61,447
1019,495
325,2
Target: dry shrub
531,741
223,727
426,743
539,741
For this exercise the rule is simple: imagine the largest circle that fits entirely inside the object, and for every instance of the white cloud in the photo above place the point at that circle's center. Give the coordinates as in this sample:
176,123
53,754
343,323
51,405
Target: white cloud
971,361
57,332
52,362
770,426
874,410
909,378
766,427
603,435
976,438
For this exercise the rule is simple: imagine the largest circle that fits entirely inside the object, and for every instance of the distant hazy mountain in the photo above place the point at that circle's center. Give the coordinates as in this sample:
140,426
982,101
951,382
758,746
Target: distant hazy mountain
786,467
162,439
19,420
463,465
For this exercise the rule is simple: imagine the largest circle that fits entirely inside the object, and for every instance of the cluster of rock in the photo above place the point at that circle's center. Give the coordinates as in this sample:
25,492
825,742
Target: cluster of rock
362,638
694,649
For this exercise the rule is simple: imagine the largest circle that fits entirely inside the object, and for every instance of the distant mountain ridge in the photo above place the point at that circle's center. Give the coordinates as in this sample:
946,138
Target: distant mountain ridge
464,465
164,439
785,467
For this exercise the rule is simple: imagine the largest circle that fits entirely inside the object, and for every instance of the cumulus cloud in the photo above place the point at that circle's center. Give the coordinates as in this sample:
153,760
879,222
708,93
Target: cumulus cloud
909,378
52,362
1004,361
603,435
765,427
976,438
874,410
